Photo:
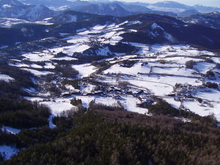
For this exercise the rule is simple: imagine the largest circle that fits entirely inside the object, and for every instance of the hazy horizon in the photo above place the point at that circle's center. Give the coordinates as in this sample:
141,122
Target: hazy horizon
211,3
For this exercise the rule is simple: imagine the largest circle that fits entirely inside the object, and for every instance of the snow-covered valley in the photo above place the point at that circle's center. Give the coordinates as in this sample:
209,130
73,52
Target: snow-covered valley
156,70
129,75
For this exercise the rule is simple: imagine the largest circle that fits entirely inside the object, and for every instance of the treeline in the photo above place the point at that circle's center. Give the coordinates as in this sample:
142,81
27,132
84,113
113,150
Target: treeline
29,137
23,114
99,106
64,120
163,108
13,89
14,110
22,77
67,71
120,137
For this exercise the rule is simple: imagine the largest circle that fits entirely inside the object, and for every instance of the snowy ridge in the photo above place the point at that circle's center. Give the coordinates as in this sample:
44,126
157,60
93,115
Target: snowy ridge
15,9
6,78
166,9
155,26
155,33
8,22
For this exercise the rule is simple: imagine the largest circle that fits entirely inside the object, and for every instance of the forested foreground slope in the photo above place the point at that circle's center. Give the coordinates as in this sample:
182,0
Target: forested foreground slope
119,137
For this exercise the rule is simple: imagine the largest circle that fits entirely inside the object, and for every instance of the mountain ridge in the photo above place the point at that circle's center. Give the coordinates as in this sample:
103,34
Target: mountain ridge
38,11
15,9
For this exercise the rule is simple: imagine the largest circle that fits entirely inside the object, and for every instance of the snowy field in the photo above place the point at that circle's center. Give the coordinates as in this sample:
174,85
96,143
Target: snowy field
10,130
132,71
8,151
85,70
158,78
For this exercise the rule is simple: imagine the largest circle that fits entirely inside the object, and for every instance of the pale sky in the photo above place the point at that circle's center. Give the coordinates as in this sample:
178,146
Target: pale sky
213,3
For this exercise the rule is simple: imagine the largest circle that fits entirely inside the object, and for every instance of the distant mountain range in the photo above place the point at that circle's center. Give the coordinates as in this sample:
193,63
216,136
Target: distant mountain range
150,27
32,10
144,28
166,6
209,19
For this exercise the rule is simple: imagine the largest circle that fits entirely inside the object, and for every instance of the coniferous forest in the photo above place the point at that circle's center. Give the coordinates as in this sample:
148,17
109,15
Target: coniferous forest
118,137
